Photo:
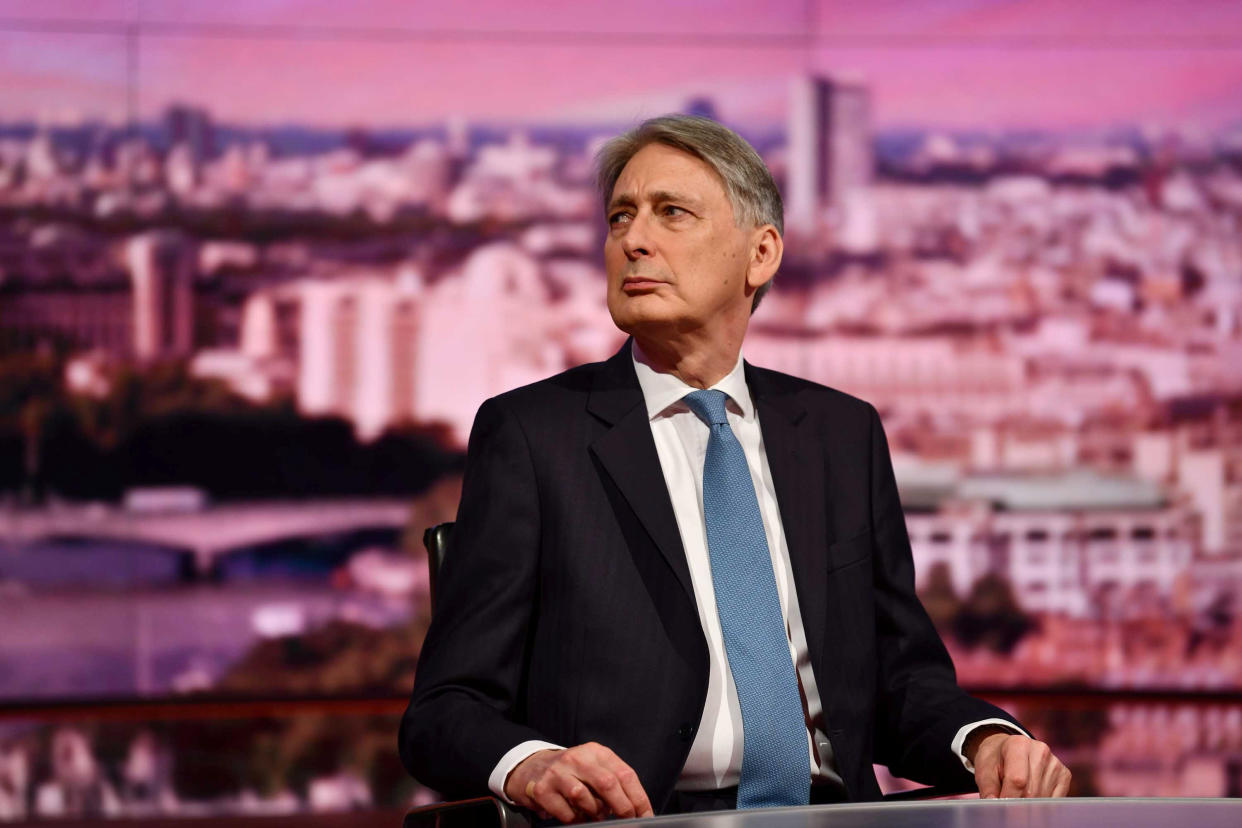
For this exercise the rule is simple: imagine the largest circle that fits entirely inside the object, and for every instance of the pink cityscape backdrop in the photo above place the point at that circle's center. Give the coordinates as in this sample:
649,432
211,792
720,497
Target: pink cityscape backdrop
260,262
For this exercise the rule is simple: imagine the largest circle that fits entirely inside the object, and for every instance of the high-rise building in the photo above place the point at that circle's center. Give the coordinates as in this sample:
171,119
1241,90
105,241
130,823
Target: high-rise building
352,339
191,127
703,107
382,348
161,269
830,161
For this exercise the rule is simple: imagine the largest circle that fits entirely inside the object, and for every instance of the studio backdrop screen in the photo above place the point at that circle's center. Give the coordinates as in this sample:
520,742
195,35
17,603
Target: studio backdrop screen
260,262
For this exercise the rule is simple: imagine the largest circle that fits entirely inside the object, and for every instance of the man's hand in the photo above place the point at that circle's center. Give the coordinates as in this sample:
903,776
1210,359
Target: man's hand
1010,765
586,782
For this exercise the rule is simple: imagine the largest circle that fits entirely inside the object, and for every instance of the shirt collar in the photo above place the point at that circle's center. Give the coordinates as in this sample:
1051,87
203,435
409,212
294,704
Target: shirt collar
662,391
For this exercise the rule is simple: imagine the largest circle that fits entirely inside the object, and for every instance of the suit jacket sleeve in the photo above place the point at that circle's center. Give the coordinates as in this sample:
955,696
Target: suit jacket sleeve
921,707
465,711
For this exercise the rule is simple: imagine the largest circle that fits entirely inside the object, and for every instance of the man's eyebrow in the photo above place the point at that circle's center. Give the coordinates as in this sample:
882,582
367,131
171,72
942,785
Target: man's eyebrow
659,196
655,196
622,200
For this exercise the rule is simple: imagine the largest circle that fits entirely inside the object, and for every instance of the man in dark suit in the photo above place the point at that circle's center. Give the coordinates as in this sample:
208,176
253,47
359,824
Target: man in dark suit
681,582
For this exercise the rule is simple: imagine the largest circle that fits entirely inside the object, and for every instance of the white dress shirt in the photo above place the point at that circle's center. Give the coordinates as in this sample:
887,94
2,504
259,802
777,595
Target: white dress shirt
715,757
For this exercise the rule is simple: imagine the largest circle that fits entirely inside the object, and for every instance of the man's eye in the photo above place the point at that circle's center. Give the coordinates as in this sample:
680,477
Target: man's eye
618,218
673,210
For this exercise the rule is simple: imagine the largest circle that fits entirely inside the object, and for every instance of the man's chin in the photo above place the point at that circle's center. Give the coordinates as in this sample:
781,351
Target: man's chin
640,324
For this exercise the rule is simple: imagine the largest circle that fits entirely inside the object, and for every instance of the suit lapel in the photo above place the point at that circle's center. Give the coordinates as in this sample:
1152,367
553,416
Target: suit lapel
796,459
627,452
799,474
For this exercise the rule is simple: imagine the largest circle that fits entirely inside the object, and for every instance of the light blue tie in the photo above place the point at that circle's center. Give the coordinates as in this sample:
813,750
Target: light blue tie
775,758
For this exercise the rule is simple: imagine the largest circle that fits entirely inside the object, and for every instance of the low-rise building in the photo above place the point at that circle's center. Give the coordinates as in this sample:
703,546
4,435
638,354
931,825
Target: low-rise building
1075,542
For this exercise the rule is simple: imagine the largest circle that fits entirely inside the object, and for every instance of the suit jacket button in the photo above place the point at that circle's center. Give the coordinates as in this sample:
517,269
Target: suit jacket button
685,732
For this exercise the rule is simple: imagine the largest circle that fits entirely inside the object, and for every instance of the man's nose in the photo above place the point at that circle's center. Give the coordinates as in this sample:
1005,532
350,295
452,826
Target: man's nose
636,242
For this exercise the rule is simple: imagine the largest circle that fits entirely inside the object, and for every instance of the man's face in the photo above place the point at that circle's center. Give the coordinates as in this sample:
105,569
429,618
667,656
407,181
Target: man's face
674,255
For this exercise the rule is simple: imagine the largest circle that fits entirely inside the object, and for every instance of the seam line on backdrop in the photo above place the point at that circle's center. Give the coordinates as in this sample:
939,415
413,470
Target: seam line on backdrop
769,40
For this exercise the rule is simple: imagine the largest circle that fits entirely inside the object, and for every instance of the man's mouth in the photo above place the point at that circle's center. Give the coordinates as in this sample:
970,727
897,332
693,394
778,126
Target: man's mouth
637,283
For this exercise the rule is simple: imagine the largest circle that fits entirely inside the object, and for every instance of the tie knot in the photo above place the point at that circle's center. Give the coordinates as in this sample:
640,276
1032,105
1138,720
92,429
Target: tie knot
708,405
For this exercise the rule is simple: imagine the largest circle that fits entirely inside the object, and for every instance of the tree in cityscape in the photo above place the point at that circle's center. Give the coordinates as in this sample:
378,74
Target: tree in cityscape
161,426
1067,726
287,753
940,599
991,617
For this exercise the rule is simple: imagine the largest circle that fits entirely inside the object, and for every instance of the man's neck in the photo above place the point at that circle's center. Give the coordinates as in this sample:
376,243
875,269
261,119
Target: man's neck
698,367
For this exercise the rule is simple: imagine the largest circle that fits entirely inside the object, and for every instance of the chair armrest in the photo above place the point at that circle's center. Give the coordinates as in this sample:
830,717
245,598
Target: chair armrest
484,812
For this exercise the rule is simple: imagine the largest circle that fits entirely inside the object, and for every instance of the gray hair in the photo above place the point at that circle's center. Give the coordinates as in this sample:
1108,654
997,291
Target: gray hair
747,181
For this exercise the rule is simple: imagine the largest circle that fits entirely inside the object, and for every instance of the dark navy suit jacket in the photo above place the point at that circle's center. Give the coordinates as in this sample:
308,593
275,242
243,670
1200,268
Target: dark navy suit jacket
565,610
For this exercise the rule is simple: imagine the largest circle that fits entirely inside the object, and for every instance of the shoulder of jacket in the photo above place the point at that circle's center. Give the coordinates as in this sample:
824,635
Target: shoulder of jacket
815,396
546,394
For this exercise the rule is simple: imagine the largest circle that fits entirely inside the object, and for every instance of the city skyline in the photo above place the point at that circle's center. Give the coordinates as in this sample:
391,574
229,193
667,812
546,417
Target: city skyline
244,338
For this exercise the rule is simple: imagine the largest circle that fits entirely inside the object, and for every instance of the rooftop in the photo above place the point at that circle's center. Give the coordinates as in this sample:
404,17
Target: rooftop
924,487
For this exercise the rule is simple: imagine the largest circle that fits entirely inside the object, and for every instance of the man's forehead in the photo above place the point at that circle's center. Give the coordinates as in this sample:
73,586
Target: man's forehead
658,171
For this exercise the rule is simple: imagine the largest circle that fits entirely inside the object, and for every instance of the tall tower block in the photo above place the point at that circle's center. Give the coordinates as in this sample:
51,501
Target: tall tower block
161,269
830,162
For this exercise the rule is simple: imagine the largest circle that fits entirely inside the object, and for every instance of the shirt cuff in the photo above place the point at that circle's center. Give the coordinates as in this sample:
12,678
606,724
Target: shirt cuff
515,756
959,741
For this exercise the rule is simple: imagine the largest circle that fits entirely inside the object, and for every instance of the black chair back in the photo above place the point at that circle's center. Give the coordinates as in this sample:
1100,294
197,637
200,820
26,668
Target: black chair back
435,540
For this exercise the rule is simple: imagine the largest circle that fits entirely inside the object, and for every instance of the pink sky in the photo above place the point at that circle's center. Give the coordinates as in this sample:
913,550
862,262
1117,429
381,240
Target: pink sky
1040,63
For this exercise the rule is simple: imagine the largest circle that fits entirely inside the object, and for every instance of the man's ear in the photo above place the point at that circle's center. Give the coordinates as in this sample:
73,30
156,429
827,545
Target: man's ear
766,250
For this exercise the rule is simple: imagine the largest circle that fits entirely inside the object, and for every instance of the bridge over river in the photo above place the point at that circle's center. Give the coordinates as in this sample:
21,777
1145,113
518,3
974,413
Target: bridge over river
207,533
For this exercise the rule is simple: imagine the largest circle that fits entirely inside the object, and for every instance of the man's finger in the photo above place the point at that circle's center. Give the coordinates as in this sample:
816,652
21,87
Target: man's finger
988,778
988,773
1039,757
1055,773
588,781
609,789
552,804
1064,779
579,795
631,785
549,800
1051,775
520,783
634,790
615,781
1016,769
